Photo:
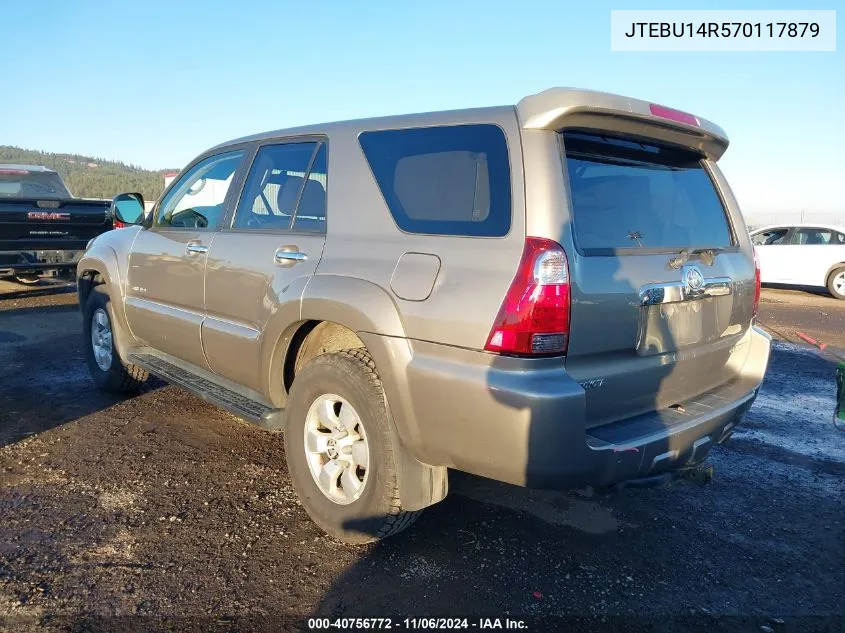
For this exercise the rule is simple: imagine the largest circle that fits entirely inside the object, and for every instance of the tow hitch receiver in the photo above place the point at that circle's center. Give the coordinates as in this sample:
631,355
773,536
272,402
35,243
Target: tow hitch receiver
700,473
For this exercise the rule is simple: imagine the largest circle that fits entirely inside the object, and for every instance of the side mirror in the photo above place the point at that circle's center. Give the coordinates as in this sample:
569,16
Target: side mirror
127,209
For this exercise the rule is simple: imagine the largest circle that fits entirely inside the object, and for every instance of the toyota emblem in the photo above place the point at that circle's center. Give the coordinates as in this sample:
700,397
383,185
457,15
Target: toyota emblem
693,279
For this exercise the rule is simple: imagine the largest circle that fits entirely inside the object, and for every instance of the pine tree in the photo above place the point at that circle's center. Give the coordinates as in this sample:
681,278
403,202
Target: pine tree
89,177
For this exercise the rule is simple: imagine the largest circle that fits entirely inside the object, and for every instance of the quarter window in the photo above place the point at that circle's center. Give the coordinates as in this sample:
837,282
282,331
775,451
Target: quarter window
198,199
448,180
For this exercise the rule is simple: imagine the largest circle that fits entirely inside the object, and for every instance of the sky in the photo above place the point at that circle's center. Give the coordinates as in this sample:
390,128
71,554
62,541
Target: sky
155,83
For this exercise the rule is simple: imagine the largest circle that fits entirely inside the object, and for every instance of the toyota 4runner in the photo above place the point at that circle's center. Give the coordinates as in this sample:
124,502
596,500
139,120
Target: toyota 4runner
554,294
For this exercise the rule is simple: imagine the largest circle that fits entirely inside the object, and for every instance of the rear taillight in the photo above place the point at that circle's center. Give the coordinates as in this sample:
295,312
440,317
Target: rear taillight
674,115
756,284
534,317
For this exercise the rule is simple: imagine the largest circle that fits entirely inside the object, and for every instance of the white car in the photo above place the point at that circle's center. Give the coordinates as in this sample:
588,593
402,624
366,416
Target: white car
802,255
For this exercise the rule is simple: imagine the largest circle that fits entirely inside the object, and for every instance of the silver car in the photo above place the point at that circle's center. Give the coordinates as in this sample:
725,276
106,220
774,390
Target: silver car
553,294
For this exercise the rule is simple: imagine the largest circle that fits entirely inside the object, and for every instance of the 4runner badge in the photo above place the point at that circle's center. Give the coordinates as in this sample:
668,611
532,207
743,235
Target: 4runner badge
595,383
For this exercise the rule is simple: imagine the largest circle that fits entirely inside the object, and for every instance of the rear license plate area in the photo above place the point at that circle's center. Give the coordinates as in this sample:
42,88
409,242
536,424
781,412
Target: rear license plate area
671,326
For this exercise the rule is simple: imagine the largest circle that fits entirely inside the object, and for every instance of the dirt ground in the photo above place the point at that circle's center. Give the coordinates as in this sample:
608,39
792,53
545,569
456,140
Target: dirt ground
817,314
162,512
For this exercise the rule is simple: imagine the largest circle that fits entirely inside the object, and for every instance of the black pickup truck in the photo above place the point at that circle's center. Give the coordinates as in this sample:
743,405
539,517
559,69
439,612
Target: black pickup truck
43,229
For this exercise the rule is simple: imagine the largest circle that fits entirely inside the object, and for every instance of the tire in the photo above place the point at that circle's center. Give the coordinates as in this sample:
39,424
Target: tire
351,377
28,280
113,374
836,282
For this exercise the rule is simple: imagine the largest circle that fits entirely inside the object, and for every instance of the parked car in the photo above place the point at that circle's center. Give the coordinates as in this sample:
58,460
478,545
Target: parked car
802,255
554,294
42,227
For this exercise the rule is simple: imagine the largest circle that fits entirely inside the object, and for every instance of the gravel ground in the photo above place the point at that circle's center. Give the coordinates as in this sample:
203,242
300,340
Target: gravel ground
162,512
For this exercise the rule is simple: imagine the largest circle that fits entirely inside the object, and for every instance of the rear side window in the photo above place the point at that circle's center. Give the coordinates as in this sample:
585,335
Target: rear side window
815,237
311,212
448,180
631,194
275,185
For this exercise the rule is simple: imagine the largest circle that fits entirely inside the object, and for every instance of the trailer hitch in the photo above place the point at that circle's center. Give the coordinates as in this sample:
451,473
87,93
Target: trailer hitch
699,473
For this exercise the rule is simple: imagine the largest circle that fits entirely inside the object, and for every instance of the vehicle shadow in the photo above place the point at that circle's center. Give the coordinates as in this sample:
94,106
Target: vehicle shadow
13,291
44,380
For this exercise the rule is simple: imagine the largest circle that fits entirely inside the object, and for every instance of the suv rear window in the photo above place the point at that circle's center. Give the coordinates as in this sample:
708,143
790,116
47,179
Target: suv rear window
447,180
631,194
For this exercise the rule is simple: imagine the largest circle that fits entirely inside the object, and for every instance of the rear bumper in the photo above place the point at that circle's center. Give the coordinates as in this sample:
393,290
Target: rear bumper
12,262
499,420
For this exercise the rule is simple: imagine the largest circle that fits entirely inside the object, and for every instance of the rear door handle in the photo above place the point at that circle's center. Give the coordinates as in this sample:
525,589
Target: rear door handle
195,248
289,256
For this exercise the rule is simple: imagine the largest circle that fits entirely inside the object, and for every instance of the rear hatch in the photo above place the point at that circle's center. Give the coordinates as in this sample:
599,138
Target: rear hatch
661,289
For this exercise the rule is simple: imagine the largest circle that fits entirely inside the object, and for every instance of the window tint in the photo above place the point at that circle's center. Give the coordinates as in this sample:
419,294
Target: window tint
769,238
451,180
311,211
814,237
632,194
276,183
198,199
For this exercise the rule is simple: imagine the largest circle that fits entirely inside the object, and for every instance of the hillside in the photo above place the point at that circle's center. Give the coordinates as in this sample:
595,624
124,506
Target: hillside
89,177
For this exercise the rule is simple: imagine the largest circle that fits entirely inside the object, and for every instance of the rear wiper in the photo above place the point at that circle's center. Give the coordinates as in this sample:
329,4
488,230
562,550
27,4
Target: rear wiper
636,235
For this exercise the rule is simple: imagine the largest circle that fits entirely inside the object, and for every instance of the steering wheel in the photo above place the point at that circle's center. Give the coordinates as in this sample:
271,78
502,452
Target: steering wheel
258,221
189,218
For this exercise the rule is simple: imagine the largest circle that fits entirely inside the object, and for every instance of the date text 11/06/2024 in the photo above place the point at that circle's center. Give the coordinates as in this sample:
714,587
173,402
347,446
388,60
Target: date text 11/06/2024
421,624
723,29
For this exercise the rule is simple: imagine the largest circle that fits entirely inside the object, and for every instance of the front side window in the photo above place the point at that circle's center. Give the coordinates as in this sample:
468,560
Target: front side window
198,199
280,188
769,238
633,194
447,180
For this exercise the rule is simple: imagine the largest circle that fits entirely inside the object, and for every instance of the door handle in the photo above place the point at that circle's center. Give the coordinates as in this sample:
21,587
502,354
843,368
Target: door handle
289,256
194,248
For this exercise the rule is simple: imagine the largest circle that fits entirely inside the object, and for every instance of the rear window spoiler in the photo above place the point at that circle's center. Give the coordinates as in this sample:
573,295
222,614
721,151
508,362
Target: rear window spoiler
559,108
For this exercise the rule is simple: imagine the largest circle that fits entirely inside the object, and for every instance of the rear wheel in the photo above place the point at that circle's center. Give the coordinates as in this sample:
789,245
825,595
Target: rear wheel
339,448
836,283
108,370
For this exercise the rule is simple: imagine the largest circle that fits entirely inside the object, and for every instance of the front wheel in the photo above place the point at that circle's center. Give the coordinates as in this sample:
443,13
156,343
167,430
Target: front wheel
339,449
108,370
836,283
